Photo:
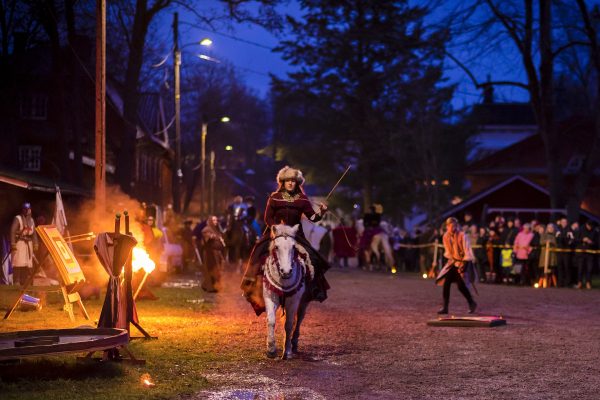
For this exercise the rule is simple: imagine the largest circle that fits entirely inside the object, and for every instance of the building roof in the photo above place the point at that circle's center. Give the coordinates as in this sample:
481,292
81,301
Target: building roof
515,193
38,183
503,114
527,157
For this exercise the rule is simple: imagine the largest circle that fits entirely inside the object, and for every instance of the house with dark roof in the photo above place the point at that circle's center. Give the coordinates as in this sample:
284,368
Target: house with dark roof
46,145
527,159
515,196
499,125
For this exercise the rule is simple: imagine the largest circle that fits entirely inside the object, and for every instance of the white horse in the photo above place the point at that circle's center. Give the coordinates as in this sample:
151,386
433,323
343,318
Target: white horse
286,271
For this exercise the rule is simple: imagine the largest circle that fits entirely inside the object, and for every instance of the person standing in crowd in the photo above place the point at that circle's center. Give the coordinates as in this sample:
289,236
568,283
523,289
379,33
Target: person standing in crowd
344,243
213,249
481,255
468,221
534,257
586,240
495,256
573,234
459,266
522,250
563,257
548,238
250,209
23,242
186,238
509,234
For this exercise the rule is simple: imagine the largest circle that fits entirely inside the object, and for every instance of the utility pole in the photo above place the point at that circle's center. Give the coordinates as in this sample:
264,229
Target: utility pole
100,164
177,65
203,165
213,177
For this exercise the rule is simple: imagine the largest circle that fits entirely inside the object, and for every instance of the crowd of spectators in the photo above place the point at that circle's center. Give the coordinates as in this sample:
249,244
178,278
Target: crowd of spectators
510,251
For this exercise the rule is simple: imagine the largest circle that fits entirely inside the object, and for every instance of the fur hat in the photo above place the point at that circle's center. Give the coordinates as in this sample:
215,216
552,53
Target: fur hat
287,172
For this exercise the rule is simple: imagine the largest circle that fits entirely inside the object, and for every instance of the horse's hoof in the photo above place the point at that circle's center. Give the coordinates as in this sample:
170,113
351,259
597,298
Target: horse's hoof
272,354
286,356
295,349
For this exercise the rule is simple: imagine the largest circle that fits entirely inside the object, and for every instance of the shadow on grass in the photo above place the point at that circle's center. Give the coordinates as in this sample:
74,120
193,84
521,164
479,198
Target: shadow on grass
48,370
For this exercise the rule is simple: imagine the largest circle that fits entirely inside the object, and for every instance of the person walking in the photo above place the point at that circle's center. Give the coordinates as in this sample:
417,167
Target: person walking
459,266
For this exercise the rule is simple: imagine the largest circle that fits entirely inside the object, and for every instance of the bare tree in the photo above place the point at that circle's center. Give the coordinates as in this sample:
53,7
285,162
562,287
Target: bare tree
539,40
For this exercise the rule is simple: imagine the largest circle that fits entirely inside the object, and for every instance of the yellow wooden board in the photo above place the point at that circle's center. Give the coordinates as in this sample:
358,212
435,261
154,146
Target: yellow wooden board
69,270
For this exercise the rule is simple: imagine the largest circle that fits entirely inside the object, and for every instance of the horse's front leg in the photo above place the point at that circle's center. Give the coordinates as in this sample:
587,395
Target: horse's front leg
299,318
271,304
291,308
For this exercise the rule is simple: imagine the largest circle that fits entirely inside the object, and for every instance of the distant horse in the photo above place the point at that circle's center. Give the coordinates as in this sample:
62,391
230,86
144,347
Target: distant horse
379,243
286,272
239,238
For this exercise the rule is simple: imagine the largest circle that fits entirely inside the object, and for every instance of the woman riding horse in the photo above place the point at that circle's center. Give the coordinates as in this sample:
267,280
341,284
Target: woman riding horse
286,205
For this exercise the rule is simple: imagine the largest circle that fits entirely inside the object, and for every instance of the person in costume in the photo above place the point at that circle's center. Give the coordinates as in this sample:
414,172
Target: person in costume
213,254
286,206
459,266
23,243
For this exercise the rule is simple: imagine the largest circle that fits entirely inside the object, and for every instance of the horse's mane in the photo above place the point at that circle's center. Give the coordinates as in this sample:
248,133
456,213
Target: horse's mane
283,230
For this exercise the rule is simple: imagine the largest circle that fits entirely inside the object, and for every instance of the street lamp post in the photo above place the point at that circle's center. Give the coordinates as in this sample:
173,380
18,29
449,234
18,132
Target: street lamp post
213,177
177,181
177,66
203,165
203,199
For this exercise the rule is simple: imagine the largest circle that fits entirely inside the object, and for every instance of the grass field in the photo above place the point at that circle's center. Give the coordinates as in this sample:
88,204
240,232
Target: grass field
177,322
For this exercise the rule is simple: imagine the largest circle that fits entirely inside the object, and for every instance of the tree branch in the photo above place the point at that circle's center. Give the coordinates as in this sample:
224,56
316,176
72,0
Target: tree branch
484,84
567,46
507,23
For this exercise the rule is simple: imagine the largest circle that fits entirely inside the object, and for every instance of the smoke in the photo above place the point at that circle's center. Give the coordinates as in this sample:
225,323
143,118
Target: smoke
88,218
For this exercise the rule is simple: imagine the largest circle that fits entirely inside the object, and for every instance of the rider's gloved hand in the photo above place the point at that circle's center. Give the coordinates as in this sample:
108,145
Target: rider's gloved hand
322,209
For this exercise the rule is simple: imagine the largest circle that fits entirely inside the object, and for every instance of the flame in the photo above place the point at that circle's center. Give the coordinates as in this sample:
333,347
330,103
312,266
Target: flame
147,380
394,270
424,276
536,285
141,259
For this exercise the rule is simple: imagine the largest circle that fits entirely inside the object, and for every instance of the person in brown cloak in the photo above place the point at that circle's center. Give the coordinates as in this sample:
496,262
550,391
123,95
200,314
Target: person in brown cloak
286,205
459,266
213,247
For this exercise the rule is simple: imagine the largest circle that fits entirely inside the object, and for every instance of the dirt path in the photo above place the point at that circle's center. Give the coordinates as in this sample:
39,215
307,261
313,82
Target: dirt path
370,340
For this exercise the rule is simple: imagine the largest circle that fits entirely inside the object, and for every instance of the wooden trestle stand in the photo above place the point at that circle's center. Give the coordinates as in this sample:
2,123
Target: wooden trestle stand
130,312
71,276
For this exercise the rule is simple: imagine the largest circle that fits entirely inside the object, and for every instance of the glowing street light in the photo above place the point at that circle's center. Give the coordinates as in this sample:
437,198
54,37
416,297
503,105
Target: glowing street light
209,58
206,42
228,148
225,119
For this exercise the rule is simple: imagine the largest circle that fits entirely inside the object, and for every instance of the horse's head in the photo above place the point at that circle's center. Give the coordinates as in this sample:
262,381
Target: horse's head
282,247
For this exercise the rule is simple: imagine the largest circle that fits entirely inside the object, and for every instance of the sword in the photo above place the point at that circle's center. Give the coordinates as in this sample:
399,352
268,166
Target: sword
337,183
196,251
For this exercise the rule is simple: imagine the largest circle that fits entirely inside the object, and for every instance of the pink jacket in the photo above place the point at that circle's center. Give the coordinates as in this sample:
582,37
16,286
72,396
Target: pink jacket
521,246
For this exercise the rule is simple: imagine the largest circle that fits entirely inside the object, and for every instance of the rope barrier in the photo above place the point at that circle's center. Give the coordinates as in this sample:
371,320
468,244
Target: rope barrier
500,246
